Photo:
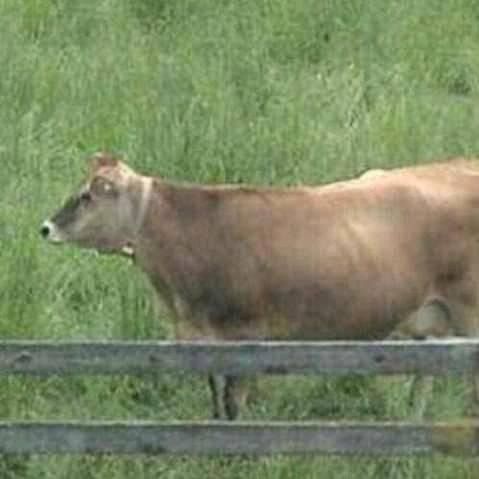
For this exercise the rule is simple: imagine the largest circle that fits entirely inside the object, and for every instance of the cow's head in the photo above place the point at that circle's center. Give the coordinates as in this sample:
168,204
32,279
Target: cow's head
106,213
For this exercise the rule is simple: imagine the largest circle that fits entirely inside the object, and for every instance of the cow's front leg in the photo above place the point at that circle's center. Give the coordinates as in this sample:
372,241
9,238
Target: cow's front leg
217,388
230,399
236,393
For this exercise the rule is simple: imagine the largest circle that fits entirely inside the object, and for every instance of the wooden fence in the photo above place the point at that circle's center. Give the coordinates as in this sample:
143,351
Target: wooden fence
320,437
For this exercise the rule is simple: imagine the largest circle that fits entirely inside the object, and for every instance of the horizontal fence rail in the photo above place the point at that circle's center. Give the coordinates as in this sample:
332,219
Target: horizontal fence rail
459,439
45,358
445,357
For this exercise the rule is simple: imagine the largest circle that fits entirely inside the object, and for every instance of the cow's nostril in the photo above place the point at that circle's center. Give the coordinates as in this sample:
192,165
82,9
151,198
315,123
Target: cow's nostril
45,230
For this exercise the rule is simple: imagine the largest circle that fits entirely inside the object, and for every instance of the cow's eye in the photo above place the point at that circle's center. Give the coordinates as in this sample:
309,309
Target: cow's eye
85,197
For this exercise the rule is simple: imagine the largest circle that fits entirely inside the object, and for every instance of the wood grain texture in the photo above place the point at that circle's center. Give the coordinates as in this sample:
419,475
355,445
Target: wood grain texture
239,438
327,357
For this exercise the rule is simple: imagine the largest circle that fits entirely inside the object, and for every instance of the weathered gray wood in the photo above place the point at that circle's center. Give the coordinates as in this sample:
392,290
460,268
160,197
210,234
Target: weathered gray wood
328,357
240,438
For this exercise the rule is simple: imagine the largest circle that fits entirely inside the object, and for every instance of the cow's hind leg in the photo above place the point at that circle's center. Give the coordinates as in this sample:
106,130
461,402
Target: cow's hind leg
465,317
420,394
475,395
431,320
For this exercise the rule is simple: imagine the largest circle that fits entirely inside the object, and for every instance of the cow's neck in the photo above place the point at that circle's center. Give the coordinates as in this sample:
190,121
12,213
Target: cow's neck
143,190
171,246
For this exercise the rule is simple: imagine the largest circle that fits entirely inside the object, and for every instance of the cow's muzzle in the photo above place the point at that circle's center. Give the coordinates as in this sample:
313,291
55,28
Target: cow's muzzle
49,231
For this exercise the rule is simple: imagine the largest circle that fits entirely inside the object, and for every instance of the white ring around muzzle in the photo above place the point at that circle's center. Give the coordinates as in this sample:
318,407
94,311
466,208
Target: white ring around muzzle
50,232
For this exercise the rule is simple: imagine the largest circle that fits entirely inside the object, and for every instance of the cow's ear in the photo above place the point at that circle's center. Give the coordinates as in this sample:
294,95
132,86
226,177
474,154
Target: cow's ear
101,186
101,160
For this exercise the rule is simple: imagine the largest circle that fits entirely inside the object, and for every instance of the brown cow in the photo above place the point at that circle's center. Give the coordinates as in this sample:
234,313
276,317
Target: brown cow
351,260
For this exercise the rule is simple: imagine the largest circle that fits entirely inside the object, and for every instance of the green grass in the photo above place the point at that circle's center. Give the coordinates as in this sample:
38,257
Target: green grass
265,92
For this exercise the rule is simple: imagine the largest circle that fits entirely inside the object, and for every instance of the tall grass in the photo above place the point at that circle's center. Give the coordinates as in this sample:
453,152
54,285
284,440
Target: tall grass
265,92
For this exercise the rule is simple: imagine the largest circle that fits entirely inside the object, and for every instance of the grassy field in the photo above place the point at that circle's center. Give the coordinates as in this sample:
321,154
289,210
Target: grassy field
259,91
